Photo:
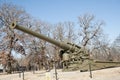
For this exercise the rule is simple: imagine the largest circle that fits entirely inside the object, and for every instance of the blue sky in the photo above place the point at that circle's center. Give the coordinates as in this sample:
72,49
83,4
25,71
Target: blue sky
54,11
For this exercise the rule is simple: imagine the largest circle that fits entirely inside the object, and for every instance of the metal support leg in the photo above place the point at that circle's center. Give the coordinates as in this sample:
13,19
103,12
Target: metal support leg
90,70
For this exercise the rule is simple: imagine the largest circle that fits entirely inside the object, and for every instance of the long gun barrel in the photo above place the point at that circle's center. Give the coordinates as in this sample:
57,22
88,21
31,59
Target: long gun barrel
38,35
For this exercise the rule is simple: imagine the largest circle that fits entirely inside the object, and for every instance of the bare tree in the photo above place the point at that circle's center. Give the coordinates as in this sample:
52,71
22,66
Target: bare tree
70,32
59,32
116,42
89,29
8,14
115,48
104,51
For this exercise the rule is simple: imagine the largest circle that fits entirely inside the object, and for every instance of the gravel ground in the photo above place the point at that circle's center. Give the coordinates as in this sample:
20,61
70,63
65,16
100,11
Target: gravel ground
104,74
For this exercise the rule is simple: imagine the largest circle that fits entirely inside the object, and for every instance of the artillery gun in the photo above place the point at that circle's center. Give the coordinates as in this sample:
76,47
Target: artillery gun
70,53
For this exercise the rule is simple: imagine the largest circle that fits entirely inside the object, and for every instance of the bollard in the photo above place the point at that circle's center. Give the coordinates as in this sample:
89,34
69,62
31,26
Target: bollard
33,69
90,70
19,74
23,74
56,72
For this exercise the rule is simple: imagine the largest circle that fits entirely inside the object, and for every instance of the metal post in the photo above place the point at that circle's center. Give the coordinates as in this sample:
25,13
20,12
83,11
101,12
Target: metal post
90,70
19,74
55,71
33,69
23,74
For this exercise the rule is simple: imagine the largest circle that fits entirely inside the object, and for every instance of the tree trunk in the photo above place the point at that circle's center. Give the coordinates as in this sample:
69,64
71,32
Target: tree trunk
9,60
9,66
